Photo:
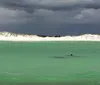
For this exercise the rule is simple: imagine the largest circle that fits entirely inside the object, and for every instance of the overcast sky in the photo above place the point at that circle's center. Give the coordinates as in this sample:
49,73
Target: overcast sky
50,17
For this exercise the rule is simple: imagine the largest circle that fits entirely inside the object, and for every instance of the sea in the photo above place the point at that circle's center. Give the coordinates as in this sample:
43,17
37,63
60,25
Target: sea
50,63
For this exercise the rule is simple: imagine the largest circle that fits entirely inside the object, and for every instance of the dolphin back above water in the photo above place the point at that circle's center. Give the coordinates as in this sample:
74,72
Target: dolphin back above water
66,56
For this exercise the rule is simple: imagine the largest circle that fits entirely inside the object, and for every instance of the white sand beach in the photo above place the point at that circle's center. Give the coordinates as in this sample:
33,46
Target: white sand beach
7,36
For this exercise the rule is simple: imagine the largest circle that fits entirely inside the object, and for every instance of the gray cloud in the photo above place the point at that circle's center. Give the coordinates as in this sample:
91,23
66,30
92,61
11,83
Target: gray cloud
55,5
49,16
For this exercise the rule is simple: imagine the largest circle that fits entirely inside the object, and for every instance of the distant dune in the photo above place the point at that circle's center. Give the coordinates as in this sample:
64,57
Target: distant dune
8,36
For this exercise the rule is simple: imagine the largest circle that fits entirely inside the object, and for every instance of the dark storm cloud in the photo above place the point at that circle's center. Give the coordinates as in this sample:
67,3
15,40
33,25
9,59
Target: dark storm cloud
50,16
55,5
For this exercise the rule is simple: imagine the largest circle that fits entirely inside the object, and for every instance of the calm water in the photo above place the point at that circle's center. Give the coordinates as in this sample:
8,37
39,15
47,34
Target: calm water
30,63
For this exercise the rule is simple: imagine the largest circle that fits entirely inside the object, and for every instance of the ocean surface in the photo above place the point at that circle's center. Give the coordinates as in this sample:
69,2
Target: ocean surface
50,63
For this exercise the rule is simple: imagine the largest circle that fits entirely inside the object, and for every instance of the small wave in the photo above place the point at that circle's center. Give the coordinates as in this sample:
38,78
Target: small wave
11,73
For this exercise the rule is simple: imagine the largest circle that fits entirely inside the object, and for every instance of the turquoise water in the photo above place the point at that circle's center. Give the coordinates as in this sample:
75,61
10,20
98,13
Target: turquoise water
29,62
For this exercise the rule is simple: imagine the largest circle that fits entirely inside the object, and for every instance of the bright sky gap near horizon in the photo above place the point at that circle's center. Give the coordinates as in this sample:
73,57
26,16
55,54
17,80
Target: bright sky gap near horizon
50,17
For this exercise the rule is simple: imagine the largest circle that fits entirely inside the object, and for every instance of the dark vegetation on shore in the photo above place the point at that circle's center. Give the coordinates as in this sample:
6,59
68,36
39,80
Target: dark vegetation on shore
48,36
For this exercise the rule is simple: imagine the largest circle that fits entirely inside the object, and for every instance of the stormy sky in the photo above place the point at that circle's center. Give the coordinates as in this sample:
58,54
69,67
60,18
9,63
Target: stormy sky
50,17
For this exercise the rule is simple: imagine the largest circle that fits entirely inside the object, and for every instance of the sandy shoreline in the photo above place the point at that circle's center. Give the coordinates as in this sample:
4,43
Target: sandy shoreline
6,36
